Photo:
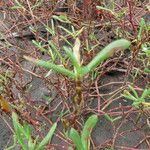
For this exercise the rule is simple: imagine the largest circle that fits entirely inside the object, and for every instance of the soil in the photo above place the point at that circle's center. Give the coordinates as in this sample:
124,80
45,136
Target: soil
104,130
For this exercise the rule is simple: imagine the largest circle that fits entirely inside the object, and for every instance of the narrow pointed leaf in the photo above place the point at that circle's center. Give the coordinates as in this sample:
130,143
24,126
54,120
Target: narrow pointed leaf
47,138
117,118
48,65
54,47
108,117
107,52
89,125
19,131
133,90
67,31
130,97
73,59
146,93
50,30
75,137
61,18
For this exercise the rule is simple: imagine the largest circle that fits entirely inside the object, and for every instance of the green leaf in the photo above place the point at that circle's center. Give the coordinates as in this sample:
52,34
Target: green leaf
106,9
133,90
66,40
117,118
39,45
50,30
142,26
112,119
54,48
37,4
17,6
146,48
79,32
48,65
61,18
107,52
31,144
108,117
130,97
2,78
19,131
89,125
32,29
67,31
147,70
47,138
75,137
27,131
73,59
146,93
136,104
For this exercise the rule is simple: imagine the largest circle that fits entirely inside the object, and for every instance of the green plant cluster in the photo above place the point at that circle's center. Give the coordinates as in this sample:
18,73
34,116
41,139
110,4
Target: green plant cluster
23,136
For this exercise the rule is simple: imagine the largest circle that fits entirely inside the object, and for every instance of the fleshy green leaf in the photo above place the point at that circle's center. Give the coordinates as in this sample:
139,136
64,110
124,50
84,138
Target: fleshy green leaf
39,45
133,90
129,96
55,49
19,131
107,52
50,30
89,125
47,138
75,137
61,18
146,93
48,65
108,117
73,59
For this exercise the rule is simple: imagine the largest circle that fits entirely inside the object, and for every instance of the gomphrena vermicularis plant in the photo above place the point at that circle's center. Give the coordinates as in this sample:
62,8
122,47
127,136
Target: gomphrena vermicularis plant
80,71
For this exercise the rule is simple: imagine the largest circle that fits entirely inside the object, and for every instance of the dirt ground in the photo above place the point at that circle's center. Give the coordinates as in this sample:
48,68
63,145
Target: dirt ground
126,131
